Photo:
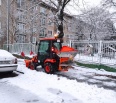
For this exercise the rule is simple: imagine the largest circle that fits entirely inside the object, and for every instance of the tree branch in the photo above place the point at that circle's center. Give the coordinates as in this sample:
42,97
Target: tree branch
67,1
53,3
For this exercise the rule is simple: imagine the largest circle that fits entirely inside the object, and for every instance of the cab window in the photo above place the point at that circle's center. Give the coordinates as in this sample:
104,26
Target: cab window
43,47
57,45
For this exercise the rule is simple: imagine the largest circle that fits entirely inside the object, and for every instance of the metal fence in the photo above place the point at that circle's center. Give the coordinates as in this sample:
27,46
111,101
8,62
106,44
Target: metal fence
100,52
21,47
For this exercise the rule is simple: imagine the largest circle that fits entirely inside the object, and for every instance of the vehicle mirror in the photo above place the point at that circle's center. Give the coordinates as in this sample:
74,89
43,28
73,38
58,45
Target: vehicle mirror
58,40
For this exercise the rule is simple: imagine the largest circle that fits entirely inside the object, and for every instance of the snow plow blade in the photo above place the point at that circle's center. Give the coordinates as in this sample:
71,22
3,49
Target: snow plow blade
66,55
30,62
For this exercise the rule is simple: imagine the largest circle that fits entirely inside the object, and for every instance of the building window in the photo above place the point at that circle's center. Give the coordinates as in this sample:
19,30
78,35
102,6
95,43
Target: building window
42,32
20,38
49,33
49,22
35,8
20,3
0,2
0,25
20,17
21,28
0,13
42,10
42,21
34,30
34,40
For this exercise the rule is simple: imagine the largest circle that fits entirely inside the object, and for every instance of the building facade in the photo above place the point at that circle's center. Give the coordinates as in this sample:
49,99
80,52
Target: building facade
24,21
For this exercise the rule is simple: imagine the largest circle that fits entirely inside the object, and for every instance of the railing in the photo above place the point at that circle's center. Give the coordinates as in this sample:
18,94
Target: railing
100,52
21,47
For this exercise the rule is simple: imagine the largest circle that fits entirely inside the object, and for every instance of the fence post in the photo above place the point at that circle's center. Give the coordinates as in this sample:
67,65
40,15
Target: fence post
100,52
12,50
70,43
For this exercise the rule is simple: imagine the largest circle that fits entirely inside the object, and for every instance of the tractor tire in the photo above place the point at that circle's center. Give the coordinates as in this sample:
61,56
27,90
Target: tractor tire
32,66
48,67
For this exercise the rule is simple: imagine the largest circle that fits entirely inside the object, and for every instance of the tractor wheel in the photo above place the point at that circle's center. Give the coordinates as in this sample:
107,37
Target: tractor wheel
32,66
48,67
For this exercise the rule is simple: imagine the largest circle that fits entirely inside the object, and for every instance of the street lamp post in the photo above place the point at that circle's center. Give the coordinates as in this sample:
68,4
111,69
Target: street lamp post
8,8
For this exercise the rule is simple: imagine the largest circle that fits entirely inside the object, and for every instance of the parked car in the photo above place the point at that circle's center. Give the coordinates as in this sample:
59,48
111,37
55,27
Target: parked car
8,63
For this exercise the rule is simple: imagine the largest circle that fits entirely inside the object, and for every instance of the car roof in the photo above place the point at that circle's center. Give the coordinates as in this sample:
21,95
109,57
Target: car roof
6,54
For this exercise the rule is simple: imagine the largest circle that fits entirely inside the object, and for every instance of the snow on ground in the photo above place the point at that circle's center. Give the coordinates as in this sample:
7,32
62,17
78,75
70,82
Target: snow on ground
56,89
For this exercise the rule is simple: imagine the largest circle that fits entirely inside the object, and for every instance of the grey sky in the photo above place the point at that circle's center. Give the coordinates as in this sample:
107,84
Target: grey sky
78,5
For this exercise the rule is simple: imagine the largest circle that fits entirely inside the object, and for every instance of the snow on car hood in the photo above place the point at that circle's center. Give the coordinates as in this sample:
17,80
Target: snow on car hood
5,55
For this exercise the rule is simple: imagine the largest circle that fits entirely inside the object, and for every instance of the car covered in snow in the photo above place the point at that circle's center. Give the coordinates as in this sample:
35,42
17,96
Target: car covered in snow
8,63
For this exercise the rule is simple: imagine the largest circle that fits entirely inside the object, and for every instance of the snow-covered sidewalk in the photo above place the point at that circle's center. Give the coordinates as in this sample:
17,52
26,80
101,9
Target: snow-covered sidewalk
96,60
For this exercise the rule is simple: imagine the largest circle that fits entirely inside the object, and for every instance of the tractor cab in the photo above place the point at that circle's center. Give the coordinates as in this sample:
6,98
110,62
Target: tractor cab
48,49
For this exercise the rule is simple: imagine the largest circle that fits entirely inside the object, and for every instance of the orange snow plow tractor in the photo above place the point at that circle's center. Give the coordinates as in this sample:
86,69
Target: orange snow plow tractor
52,56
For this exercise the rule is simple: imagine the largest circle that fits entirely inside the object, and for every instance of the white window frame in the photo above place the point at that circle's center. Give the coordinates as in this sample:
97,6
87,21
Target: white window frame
0,2
0,12
33,39
0,25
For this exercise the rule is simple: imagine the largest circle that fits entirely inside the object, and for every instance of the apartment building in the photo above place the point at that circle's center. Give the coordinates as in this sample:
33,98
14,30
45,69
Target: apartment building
3,23
28,21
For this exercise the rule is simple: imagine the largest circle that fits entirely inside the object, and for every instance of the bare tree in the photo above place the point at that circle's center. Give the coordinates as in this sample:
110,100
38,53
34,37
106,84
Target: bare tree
13,28
59,17
111,6
99,19
109,3
20,18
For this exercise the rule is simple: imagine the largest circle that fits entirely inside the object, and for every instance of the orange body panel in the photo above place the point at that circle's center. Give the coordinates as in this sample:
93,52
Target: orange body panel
50,60
35,59
64,59
67,49
27,62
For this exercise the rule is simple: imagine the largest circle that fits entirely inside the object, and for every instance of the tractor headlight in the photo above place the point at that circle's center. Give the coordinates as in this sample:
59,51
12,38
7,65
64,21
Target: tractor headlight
55,35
